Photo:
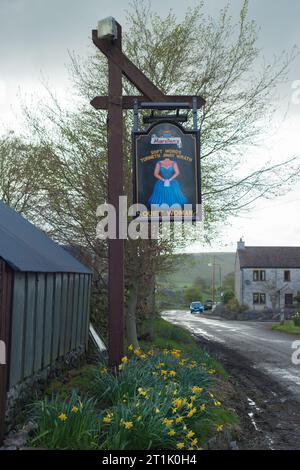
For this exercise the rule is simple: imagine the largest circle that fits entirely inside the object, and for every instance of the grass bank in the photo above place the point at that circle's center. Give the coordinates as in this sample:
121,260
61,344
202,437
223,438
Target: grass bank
163,396
287,327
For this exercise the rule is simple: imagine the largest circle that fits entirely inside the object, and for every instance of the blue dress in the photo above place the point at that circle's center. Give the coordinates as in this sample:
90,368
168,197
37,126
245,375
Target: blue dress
167,195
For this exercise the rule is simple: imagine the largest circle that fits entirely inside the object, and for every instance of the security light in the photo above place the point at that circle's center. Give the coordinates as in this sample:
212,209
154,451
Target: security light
107,28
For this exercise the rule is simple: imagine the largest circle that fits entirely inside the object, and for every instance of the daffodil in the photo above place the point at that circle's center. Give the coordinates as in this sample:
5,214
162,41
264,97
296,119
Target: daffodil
191,413
127,424
194,442
74,409
180,445
130,347
178,402
159,365
107,419
124,360
217,403
190,434
168,422
179,419
62,417
172,373
220,427
171,432
196,389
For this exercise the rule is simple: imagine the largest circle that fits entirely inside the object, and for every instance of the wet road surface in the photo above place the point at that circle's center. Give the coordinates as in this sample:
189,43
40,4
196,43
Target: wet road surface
269,351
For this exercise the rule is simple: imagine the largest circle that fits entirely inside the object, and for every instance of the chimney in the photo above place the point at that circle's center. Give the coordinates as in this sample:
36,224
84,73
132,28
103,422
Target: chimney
241,244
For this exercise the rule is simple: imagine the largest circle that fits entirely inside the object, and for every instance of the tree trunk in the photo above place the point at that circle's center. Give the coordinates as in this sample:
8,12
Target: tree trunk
131,331
152,308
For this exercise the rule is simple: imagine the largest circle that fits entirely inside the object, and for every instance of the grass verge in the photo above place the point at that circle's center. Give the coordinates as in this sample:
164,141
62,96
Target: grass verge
163,396
287,327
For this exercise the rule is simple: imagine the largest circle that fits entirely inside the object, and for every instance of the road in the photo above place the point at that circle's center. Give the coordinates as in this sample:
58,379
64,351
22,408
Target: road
269,351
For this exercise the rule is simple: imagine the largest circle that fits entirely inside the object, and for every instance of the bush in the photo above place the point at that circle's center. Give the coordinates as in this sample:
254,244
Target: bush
234,306
66,424
296,319
228,295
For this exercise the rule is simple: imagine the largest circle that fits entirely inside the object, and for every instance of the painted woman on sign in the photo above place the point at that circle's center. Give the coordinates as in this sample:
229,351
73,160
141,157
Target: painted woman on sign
167,190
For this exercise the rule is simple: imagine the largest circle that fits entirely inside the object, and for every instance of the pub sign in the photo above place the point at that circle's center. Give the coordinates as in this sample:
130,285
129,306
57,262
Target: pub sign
166,172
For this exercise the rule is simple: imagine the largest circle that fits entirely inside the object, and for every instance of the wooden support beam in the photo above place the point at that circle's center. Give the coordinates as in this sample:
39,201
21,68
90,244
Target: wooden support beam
136,76
101,102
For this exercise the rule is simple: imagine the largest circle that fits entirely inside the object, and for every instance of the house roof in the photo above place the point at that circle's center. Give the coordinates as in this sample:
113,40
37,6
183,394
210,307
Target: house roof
269,257
26,248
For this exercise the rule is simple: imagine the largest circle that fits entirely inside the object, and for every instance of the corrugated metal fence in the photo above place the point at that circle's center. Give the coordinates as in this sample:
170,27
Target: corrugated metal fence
49,317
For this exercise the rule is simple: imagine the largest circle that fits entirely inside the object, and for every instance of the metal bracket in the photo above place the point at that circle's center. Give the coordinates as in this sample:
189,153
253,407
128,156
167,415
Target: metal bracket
164,106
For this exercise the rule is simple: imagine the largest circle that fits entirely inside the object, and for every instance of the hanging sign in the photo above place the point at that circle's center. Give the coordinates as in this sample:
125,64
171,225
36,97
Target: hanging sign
166,172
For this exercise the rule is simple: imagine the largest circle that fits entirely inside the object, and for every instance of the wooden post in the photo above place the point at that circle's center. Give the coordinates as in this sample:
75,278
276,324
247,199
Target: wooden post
5,317
118,65
115,189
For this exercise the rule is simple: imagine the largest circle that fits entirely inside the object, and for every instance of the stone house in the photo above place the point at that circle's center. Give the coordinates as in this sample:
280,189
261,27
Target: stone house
267,277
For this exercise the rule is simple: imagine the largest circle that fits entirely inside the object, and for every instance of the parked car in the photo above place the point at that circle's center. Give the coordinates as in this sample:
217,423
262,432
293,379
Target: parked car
208,305
196,307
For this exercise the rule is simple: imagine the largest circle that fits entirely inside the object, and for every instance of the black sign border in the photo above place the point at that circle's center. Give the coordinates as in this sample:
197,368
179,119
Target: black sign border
145,132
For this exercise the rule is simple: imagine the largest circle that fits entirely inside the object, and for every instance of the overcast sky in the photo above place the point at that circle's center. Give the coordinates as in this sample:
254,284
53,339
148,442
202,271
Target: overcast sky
35,36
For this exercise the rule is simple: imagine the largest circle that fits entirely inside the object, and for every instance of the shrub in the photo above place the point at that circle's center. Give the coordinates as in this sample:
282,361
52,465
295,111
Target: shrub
228,295
234,306
296,319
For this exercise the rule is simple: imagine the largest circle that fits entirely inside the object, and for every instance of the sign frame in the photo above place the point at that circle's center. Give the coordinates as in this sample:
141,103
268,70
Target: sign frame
198,186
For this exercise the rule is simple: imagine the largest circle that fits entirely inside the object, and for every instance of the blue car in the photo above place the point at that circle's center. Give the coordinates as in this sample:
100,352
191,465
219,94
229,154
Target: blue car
196,307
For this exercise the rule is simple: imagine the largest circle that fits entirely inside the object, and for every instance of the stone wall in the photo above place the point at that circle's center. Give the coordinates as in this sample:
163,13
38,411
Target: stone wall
33,387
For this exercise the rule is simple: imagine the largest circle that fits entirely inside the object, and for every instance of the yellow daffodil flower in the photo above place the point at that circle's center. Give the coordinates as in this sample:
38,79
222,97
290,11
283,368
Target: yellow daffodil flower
196,389
127,424
62,417
179,419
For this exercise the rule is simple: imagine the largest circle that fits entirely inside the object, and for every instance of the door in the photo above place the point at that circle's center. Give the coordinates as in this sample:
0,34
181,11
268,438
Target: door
288,300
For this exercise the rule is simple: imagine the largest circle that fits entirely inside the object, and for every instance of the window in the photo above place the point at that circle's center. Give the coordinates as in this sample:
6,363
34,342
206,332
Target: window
259,299
287,276
288,299
259,275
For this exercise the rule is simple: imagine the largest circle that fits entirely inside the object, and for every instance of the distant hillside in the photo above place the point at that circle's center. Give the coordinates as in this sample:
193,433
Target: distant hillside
189,267
191,279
